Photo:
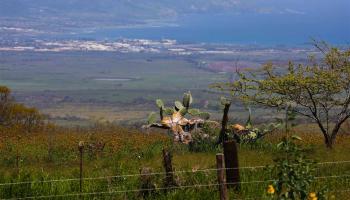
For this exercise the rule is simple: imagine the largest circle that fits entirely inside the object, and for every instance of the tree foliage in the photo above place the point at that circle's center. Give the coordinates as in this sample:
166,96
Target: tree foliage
16,115
319,90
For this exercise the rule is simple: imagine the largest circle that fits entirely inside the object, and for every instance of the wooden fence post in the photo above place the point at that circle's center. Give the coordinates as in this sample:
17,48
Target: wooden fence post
169,173
224,122
17,154
147,185
81,151
221,176
231,163
49,144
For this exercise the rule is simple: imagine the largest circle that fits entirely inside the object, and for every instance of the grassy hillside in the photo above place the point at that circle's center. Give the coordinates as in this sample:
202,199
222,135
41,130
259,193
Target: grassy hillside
53,154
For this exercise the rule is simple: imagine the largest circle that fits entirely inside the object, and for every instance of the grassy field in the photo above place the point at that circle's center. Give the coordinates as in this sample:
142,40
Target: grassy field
79,71
53,154
114,83
113,86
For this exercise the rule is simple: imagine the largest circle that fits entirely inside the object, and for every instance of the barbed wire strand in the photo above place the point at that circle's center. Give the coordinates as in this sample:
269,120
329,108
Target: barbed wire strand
152,174
332,176
136,190
164,188
342,191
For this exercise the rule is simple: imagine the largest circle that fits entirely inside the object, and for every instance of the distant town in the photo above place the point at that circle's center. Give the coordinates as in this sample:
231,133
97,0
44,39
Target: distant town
168,46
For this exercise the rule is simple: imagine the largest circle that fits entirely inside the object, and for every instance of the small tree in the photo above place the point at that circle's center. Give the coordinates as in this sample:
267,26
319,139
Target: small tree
13,114
4,103
319,90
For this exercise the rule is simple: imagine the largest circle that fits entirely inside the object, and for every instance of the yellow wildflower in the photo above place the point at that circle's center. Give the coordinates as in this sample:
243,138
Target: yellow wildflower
270,189
312,196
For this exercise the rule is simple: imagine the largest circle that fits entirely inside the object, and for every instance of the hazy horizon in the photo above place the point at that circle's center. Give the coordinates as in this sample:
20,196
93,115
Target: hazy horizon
207,21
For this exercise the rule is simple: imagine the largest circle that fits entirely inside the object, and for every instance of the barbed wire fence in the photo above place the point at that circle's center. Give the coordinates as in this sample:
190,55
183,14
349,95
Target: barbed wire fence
158,173
164,188
139,190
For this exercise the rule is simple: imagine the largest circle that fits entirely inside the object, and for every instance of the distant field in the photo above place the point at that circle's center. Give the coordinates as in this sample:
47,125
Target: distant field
79,71
113,86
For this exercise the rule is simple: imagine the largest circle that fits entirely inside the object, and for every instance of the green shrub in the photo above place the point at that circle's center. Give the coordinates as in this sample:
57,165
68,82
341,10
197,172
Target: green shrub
294,173
14,115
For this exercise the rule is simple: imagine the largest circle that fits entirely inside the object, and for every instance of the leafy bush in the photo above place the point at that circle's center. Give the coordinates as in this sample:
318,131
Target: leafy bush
204,140
294,173
15,115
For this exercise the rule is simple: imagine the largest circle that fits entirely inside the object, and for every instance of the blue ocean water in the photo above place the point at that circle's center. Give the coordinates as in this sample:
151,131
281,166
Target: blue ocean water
264,29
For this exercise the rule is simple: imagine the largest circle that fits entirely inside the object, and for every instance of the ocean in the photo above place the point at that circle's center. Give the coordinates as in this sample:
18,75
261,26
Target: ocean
256,29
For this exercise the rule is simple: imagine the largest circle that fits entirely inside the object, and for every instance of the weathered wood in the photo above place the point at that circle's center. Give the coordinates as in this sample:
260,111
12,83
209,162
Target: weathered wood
147,186
232,165
17,154
169,180
49,145
224,123
161,113
81,152
221,176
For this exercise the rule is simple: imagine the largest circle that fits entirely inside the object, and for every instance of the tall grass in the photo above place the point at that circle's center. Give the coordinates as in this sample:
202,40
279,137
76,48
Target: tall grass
53,154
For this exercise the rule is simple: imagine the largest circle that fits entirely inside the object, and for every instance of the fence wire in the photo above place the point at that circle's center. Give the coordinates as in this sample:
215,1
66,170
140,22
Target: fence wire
153,174
136,190
162,188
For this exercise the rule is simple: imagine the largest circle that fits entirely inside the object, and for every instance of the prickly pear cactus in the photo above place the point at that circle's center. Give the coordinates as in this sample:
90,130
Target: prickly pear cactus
187,100
173,118
249,133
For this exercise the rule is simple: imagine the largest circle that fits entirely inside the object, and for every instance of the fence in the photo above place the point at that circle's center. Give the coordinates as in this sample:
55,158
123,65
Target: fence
170,183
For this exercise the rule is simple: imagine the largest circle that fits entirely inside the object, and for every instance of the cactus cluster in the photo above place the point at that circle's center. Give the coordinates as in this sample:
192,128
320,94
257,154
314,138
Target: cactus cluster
173,118
243,134
249,133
